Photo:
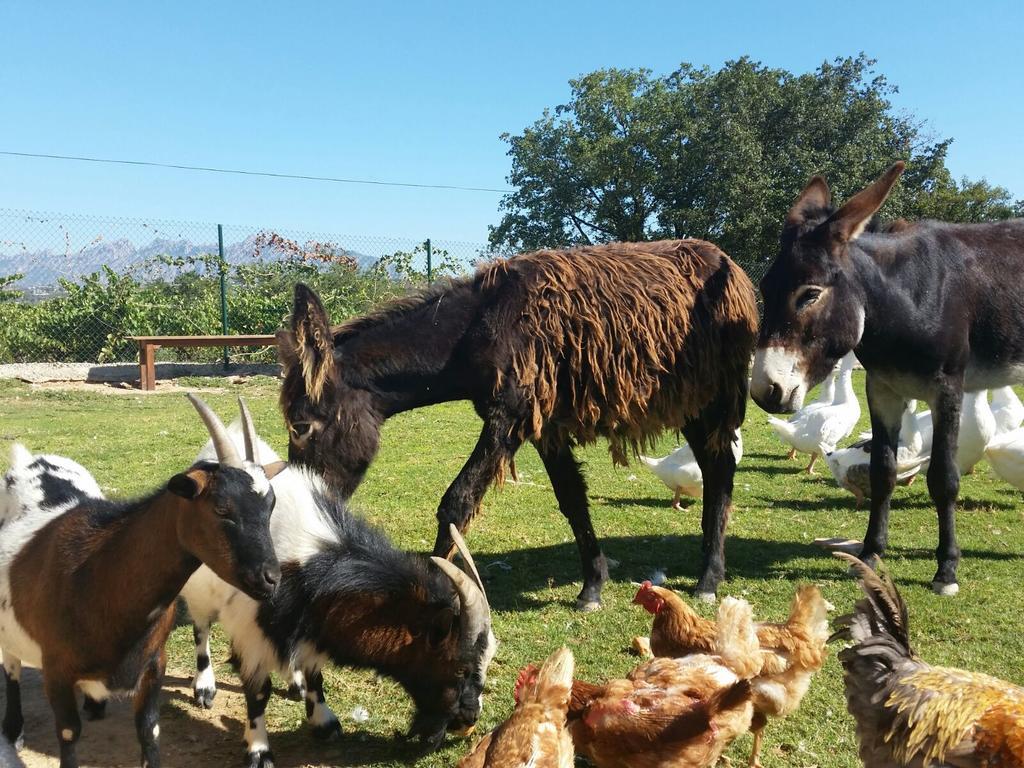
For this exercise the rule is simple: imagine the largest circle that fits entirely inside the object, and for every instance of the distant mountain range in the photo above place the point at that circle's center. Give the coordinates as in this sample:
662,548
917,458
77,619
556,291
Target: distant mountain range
43,268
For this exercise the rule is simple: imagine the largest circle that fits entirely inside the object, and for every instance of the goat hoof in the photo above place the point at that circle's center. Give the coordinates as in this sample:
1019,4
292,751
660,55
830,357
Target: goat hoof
262,759
94,710
328,730
17,742
706,597
204,697
947,590
296,692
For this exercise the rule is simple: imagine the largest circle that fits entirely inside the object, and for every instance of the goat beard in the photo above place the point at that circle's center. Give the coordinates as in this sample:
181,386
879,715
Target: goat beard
429,729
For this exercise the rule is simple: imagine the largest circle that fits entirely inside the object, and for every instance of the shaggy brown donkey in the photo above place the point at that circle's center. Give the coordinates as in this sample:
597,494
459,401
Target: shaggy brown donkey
556,348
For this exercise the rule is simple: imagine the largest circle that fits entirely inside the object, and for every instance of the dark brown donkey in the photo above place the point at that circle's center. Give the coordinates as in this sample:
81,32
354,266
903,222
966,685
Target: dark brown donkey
930,310
556,348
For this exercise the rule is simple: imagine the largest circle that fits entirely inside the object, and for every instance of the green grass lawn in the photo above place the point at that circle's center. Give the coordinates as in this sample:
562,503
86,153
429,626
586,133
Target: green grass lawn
133,442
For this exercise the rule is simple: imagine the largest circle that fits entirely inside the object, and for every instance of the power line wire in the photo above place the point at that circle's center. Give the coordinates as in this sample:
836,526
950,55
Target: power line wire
269,174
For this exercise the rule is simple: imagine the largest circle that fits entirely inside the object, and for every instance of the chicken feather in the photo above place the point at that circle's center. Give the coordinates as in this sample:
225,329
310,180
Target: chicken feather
912,714
786,654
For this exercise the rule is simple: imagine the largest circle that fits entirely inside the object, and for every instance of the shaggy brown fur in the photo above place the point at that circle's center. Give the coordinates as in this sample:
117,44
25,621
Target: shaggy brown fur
553,347
621,318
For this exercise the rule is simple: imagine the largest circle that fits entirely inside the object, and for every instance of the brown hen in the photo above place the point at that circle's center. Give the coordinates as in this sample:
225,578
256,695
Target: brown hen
667,713
791,652
910,714
535,734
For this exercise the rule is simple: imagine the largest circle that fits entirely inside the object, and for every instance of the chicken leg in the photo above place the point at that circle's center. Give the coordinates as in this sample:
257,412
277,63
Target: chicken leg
757,725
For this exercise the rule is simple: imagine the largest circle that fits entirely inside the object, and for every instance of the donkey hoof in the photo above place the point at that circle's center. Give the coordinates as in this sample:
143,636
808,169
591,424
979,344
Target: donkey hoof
948,590
706,597
588,606
296,692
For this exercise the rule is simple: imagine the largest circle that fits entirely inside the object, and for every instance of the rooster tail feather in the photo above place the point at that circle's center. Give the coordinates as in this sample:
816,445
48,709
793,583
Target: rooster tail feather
881,612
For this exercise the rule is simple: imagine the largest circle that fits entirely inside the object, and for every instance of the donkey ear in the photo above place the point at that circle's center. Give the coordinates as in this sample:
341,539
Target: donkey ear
848,222
314,342
815,197
286,354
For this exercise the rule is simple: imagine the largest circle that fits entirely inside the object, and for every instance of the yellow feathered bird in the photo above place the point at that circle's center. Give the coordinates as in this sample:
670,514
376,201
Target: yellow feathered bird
909,713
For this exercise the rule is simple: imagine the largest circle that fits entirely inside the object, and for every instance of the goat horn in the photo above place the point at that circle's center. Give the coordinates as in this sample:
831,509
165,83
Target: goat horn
474,615
249,434
226,453
460,544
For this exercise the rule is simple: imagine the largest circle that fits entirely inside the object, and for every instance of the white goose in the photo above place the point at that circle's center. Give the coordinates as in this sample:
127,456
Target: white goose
679,470
1007,409
977,428
826,395
851,466
819,431
1006,455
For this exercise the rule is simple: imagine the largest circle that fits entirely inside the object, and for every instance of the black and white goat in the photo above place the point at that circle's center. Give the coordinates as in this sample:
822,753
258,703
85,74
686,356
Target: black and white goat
206,595
87,586
349,597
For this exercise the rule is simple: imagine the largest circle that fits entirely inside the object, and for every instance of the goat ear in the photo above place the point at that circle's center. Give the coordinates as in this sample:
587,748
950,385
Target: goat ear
314,342
189,485
273,469
441,627
848,222
815,197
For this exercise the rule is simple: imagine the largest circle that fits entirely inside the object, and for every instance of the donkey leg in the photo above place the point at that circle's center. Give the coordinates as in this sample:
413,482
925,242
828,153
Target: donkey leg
718,468
944,487
571,491
886,409
496,445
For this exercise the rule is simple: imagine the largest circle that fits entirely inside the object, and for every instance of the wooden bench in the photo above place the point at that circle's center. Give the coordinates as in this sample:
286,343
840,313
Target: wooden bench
148,345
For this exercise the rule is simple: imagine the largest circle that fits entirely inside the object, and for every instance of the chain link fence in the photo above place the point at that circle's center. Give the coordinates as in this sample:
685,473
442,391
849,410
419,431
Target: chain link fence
77,288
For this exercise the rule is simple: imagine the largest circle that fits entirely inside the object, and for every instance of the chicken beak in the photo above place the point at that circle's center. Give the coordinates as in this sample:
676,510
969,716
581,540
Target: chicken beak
465,731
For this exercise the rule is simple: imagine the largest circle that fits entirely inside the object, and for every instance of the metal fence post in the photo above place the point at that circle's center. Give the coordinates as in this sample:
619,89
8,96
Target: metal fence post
223,289
430,265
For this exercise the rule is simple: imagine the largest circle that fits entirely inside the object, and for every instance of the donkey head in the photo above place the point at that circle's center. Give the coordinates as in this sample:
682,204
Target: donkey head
331,427
813,309
228,524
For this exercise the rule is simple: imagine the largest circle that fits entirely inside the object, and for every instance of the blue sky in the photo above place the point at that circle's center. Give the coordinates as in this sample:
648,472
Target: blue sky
421,92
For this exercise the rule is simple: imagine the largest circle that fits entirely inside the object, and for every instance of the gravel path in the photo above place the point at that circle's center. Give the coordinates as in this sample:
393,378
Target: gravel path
38,373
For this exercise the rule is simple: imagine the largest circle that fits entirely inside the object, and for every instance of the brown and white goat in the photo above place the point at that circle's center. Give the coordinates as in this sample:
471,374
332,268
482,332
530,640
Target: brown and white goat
87,591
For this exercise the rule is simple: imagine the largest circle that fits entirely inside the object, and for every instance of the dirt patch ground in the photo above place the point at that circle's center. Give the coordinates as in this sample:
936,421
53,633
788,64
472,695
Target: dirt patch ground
189,737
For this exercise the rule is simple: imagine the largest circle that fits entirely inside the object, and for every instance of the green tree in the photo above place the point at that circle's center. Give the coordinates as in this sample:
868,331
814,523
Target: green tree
7,290
720,155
